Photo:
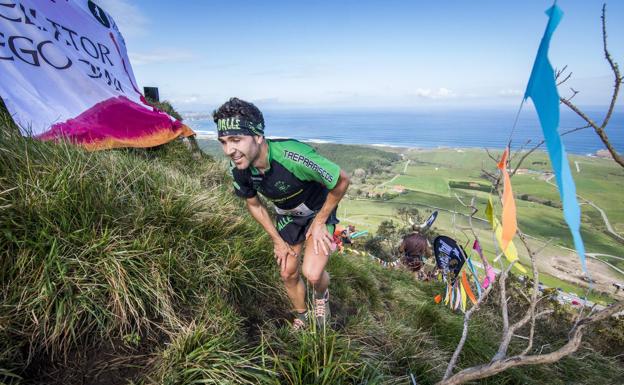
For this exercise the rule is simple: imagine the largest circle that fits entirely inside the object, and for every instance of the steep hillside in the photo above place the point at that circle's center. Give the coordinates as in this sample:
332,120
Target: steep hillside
141,267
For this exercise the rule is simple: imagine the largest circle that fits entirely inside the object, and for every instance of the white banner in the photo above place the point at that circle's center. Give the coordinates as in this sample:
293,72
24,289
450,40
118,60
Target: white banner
59,58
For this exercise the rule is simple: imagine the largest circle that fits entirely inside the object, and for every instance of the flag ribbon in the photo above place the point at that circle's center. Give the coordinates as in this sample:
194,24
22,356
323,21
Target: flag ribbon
490,275
474,276
466,287
511,253
542,89
510,225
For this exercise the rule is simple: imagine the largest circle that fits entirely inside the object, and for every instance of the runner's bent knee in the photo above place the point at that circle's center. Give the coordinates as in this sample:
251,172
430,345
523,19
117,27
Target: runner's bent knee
288,275
314,277
291,273
313,266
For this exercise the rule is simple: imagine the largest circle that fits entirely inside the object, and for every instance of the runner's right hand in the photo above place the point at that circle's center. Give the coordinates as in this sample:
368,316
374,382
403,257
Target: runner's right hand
282,250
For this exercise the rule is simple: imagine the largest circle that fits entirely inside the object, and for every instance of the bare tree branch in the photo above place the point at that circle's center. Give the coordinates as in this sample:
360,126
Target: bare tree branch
560,72
565,79
494,158
600,129
494,367
504,307
499,362
509,331
462,341
518,151
526,155
614,68
535,291
574,93
489,175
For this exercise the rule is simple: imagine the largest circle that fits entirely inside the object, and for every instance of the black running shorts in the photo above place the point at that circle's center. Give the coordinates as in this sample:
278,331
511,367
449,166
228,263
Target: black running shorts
293,229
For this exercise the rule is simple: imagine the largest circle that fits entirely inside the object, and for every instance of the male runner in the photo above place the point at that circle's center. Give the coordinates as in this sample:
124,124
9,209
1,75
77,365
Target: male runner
305,189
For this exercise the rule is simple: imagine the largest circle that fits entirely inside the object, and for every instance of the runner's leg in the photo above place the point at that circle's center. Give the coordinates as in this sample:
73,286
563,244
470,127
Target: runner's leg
295,288
314,268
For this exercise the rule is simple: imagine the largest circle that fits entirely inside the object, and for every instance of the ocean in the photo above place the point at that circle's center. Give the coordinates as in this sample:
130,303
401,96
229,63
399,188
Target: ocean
431,129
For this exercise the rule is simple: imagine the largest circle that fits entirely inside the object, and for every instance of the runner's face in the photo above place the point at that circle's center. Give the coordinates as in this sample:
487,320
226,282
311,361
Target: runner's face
242,149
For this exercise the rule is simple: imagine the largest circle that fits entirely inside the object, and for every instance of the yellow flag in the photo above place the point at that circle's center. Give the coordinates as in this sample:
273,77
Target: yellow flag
463,298
511,253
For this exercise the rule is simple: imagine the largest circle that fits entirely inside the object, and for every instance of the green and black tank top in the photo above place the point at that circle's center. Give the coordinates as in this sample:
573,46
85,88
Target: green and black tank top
297,180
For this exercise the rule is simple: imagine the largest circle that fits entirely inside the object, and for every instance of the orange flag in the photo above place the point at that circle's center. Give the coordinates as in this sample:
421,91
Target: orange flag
466,285
510,224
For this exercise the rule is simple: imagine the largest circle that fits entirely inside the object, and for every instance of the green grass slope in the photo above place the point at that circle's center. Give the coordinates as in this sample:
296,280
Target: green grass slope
141,267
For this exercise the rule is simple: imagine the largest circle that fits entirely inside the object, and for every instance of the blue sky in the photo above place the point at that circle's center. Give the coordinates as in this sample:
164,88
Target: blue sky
354,54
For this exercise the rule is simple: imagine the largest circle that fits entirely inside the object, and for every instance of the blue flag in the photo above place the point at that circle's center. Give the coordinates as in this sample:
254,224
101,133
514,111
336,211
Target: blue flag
542,89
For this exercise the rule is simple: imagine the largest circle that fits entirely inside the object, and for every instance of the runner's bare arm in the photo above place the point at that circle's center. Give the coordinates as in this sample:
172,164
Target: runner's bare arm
334,197
322,238
260,214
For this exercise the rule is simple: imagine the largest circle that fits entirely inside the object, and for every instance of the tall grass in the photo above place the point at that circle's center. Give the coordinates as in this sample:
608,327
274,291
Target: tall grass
141,266
211,351
96,246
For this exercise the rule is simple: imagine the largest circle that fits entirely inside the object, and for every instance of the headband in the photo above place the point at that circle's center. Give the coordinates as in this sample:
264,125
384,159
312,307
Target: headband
239,126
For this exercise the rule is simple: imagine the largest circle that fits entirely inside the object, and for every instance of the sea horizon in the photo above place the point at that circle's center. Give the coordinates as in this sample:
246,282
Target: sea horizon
434,128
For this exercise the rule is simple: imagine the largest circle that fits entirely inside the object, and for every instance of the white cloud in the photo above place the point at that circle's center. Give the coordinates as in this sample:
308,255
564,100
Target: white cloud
128,17
444,93
189,99
510,93
440,93
142,58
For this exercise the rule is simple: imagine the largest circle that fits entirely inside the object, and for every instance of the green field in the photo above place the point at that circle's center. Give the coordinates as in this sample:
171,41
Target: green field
428,175
426,178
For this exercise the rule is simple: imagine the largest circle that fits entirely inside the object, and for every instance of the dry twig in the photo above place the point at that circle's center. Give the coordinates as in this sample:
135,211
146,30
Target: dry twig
600,128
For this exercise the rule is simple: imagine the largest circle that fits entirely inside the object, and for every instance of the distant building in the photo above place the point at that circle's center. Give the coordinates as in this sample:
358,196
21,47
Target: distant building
398,189
605,154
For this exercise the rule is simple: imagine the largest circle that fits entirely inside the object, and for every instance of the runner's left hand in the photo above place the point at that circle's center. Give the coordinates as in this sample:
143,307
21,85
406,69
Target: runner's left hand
321,239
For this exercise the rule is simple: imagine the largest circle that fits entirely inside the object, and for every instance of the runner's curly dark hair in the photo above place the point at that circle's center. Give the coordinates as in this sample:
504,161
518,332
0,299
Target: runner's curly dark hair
415,249
236,107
